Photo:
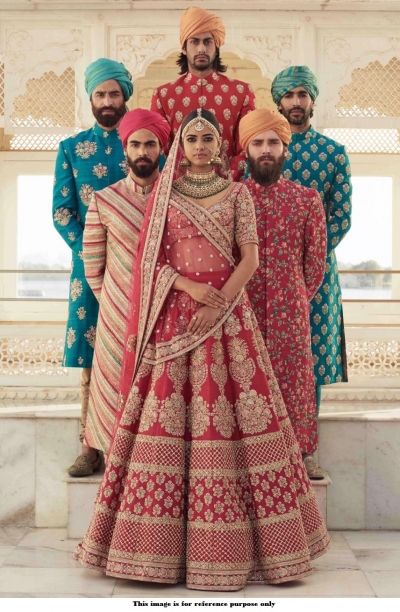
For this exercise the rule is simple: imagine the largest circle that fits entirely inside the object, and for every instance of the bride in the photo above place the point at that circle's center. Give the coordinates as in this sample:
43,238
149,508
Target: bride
204,482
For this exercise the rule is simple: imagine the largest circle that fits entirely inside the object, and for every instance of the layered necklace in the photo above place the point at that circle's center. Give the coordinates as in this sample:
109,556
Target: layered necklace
199,185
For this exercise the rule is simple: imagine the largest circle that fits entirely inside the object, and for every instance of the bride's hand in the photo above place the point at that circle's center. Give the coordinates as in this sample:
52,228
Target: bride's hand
206,294
203,319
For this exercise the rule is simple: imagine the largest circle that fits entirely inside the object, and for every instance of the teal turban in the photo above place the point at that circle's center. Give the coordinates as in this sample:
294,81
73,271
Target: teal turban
294,76
104,69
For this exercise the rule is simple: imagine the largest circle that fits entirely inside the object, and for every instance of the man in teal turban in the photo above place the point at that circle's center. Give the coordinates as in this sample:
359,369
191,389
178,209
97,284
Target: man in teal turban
316,161
88,162
291,78
105,69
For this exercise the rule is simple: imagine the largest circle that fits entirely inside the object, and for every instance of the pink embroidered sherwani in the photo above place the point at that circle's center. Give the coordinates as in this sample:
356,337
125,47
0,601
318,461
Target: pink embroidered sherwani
292,249
112,229
227,98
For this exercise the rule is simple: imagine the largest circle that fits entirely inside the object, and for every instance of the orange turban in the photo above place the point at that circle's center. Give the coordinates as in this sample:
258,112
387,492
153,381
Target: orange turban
261,120
197,20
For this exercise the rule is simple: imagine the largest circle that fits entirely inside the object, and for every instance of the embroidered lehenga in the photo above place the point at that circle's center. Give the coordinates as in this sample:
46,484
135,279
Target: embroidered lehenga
204,482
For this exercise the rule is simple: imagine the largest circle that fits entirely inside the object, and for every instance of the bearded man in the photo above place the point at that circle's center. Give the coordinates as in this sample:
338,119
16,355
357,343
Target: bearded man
110,239
203,85
292,250
316,161
89,161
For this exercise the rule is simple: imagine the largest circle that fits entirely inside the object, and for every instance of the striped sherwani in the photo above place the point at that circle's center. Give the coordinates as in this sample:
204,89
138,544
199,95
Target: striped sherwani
110,238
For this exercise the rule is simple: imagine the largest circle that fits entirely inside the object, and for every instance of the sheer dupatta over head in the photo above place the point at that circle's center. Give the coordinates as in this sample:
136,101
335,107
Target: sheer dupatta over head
178,237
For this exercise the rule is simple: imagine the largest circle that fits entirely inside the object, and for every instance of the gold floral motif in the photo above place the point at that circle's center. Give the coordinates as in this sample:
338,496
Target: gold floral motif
149,412
64,191
81,312
219,373
198,369
173,414
75,289
158,371
132,408
223,417
90,335
253,412
85,193
177,371
71,337
71,236
241,367
198,416
232,325
80,360
100,171
124,167
62,216
131,343
217,352
85,149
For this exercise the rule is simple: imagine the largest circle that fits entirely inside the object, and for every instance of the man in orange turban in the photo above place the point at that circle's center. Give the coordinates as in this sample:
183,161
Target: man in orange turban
292,250
202,84
113,224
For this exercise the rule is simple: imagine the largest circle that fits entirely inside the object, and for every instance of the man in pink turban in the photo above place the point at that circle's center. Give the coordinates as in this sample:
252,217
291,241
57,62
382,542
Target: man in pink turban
292,249
202,84
112,229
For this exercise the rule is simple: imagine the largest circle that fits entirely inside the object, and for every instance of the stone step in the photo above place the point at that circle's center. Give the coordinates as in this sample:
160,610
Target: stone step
82,494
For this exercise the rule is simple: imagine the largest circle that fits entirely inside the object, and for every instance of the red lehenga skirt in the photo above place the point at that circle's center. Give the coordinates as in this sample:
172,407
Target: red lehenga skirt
205,482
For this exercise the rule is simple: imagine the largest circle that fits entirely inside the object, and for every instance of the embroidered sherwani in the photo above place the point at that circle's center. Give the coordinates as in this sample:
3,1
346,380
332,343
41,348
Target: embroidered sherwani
292,250
110,239
227,98
85,163
319,162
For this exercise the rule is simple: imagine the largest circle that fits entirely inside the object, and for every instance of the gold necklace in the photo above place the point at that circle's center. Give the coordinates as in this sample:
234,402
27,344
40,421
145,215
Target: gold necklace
199,185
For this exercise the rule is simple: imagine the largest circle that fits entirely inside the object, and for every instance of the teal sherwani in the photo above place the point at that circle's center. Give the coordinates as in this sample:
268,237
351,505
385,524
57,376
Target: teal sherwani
316,161
85,163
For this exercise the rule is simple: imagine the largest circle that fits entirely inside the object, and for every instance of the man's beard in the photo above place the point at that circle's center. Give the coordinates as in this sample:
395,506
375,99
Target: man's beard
143,171
107,120
266,174
302,119
204,66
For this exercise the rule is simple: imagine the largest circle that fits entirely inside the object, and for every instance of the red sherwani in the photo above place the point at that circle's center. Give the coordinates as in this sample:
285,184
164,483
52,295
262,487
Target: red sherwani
292,249
227,98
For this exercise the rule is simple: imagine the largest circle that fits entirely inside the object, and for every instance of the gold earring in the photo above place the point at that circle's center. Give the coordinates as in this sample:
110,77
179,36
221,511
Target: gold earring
185,163
216,160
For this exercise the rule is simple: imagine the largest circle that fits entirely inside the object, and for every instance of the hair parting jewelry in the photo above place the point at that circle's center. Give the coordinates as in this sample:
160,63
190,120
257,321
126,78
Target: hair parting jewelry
200,124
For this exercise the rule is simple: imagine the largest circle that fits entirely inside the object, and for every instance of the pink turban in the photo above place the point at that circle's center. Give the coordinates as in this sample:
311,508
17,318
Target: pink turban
139,119
196,20
261,120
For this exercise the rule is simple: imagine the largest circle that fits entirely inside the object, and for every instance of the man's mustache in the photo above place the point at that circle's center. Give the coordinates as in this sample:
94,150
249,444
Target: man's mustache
145,159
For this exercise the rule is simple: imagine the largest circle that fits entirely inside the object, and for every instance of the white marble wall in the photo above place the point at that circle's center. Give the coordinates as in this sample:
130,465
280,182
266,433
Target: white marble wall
17,471
35,451
362,455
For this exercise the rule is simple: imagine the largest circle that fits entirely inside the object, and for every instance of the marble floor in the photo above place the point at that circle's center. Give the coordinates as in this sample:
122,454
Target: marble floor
38,563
